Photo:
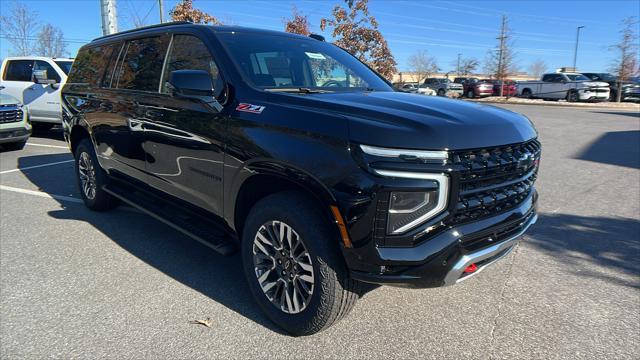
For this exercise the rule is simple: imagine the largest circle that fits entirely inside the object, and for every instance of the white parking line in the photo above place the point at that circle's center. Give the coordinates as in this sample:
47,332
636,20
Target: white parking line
49,146
40,193
36,166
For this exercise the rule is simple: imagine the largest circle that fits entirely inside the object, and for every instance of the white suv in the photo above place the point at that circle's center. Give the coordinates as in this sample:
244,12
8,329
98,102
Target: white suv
36,81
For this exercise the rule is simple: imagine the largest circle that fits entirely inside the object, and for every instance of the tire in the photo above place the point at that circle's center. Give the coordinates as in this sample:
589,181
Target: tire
41,127
14,146
328,297
470,94
572,96
91,178
526,93
441,92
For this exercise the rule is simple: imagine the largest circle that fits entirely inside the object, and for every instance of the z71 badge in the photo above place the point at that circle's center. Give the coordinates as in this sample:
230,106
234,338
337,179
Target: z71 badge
256,109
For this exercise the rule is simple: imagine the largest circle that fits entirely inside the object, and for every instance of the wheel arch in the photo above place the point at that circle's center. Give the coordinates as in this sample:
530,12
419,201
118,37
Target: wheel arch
77,133
262,179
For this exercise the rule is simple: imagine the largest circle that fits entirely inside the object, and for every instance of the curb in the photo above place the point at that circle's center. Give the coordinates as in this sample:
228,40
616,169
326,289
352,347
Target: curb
566,105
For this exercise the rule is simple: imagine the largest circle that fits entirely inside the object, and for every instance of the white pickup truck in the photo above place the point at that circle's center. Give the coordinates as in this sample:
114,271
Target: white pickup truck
570,86
36,81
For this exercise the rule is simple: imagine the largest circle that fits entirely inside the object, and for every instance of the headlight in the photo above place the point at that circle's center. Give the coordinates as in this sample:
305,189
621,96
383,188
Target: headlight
410,209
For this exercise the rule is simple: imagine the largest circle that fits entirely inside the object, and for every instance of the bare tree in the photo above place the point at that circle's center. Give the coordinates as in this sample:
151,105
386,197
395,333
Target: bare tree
422,64
184,11
626,63
537,68
19,28
51,42
468,66
356,31
298,24
500,62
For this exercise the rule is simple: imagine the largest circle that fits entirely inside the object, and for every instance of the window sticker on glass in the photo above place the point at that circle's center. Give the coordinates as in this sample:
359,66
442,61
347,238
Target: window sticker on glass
316,56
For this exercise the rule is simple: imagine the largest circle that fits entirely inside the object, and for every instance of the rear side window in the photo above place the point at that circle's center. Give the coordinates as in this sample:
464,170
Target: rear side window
18,70
188,53
52,74
90,64
142,64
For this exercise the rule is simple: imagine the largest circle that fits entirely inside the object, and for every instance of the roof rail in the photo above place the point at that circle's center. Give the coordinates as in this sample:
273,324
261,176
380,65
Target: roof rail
143,28
317,37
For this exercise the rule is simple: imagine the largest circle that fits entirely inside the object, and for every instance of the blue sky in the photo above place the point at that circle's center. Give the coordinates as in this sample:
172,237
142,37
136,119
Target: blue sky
542,29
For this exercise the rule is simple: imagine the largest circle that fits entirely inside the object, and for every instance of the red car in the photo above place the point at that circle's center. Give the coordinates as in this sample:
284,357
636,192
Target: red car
508,88
474,87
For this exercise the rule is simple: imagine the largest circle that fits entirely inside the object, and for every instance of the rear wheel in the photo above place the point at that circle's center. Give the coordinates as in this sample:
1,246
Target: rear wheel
41,127
441,92
470,94
91,178
526,93
293,264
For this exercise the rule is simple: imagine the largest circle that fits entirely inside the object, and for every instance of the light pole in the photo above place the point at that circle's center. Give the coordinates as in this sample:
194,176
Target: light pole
575,53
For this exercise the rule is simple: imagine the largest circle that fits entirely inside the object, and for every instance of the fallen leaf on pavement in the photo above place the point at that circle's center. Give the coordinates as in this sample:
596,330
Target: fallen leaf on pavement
206,322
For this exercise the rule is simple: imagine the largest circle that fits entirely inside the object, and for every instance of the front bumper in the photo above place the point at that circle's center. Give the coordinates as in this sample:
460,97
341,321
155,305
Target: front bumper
594,94
442,260
14,135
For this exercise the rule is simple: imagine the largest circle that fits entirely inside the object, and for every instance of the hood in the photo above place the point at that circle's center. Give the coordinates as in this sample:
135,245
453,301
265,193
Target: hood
596,83
8,100
412,121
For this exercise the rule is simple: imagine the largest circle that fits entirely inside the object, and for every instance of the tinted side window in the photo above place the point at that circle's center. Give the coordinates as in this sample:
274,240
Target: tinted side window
52,74
89,65
18,70
142,64
111,67
547,77
188,53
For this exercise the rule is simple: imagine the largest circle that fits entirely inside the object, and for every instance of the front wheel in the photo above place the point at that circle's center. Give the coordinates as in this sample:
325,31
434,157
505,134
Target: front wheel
572,96
470,94
441,92
293,265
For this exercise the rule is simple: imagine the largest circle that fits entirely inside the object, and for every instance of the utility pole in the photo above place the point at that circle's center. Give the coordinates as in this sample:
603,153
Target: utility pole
109,17
502,38
458,66
161,6
575,52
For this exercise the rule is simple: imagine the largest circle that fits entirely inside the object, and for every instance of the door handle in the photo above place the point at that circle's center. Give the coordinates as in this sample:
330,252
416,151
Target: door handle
1,87
135,125
154,114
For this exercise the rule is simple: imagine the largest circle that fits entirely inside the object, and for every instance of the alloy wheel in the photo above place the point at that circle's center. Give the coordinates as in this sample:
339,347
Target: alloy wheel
283,267
87,173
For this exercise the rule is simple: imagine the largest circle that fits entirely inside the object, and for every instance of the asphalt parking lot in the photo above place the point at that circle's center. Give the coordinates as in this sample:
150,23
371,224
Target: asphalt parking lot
75,283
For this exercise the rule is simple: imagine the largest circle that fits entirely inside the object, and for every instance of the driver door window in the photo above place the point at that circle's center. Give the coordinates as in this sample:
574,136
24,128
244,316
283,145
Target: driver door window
188,53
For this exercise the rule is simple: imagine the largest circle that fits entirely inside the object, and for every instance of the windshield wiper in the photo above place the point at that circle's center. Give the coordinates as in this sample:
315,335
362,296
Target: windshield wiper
299,90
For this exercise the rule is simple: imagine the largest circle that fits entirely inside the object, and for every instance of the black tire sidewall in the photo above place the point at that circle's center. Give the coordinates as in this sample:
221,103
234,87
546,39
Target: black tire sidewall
317,238
102,200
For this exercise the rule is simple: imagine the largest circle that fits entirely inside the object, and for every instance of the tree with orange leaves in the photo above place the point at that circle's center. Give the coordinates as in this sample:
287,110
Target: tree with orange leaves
184,11
298,24
356,31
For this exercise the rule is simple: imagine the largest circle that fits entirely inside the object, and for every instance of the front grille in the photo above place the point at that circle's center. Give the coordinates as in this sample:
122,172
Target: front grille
10,114
493,180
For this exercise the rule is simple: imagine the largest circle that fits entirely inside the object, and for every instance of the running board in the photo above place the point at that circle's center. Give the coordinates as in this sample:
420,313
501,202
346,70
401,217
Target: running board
196,227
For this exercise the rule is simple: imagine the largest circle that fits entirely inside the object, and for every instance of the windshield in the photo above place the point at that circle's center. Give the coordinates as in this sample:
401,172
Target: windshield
282,63
577,77
65,66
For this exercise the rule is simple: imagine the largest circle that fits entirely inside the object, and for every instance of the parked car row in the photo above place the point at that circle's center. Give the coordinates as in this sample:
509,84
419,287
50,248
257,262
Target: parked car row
552,86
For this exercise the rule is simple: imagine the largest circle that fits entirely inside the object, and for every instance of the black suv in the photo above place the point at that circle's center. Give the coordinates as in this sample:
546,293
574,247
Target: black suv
293,152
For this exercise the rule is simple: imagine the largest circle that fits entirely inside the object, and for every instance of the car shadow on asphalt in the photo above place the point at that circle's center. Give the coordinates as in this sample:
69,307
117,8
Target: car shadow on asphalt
634,114
620,148
220,278
604,242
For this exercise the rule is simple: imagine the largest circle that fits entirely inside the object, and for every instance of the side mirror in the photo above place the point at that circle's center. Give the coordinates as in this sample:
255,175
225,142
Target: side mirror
40,77
191,83
197,84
